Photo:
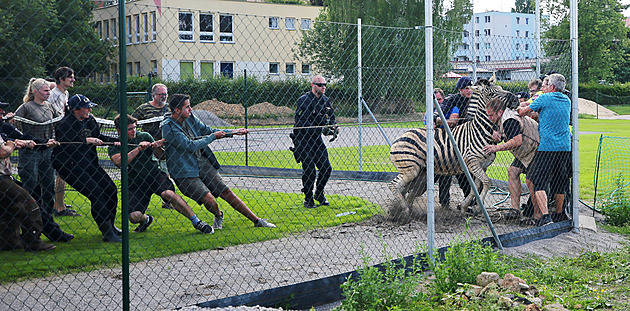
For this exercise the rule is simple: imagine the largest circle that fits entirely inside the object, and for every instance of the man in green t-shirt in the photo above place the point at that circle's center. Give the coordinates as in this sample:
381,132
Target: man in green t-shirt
145,178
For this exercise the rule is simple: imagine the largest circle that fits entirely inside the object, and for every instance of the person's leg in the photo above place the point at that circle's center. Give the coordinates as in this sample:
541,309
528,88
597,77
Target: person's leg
178,203
238,204
309,175
60,194
325,170
28,171
539,170
514,186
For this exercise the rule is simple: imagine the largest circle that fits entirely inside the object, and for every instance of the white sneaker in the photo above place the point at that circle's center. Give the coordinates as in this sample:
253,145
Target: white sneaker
218,222
264,224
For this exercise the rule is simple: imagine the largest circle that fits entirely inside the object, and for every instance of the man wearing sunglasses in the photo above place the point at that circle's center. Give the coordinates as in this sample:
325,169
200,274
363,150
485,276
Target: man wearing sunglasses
313,114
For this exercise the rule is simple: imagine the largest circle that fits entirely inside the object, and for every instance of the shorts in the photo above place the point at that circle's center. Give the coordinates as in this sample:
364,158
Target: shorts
209,180
550,166
518,164
140,191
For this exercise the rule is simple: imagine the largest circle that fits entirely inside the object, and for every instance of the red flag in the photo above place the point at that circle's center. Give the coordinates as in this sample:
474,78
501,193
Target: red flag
158,3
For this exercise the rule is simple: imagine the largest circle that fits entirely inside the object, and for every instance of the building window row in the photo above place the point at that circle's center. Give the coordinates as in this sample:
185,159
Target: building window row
206,27
141,28
289,23
274,69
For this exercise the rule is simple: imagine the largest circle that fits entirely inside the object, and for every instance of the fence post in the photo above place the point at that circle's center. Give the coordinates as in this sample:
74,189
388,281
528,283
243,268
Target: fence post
359,94
428,43
245,104
574,114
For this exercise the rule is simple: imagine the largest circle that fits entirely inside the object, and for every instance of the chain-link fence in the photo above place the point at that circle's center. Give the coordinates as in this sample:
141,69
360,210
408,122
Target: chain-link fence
274,220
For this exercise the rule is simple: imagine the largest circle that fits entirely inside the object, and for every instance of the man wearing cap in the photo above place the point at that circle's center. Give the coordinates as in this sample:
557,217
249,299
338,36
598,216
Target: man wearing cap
459,101
76,161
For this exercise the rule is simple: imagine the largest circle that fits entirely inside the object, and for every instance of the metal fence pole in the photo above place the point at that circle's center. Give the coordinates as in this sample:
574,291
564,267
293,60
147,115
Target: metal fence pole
574,113
428,43
359,94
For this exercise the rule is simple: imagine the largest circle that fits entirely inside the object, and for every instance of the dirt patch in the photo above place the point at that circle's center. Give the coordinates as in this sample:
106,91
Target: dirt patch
586,106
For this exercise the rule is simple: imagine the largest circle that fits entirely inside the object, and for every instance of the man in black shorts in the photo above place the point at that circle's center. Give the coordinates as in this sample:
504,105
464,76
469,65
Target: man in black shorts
521,139
145,178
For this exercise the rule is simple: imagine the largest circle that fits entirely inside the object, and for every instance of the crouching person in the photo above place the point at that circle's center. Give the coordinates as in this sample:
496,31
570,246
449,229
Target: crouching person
18,209
145,177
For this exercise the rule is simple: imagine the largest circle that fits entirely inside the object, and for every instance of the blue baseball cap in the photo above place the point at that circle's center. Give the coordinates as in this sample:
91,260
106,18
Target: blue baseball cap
80,101
463,83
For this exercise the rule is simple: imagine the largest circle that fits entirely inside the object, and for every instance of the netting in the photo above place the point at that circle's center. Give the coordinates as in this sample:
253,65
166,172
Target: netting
246,65
611,175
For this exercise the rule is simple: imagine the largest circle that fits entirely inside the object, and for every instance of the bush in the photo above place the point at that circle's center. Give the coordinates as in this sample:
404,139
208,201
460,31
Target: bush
617,208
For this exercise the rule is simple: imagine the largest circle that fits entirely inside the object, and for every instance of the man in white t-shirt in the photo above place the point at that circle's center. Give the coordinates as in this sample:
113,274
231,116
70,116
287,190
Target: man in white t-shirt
59,96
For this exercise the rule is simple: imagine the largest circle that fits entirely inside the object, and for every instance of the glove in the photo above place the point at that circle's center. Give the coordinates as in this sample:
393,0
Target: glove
331,131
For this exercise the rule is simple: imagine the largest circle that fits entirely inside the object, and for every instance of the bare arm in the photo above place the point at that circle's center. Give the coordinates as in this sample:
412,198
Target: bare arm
117,158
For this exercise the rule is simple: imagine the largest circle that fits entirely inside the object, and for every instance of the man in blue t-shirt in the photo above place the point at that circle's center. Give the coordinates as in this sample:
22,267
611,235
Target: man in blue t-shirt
552,160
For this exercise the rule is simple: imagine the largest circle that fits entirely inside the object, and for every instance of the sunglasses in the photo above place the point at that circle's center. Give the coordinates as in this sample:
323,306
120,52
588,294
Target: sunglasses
320,84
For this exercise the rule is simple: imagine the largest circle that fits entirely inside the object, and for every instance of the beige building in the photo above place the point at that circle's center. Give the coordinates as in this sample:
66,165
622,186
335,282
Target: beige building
202,38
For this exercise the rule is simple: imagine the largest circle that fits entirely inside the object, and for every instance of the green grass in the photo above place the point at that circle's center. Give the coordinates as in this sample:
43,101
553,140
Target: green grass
173,234
621,109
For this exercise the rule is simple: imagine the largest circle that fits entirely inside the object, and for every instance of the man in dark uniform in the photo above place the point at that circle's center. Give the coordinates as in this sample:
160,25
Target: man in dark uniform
313,113
460,101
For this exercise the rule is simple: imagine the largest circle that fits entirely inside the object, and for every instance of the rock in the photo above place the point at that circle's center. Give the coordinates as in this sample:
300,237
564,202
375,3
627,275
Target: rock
532,307
486,278
505,302
512,283
490,291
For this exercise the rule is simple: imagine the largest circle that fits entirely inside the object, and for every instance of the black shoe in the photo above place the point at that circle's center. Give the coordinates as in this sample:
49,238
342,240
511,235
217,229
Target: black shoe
512,214
558,217
117,231
322,200
111,237
66,212
59,236
544,220
309,204
38,246
143,227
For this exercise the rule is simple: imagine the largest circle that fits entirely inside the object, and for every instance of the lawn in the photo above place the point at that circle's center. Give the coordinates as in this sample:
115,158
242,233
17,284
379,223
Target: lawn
172,234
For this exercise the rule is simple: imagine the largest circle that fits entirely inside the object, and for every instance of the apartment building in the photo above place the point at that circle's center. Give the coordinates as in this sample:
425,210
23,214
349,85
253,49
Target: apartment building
182,39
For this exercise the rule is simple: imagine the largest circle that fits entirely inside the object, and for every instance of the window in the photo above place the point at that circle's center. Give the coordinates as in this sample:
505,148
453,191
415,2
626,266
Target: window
465,46
273,23
526,34
129,30
274,68
227,70
306,24
289,23
106,29
207,70
137,68
154,67
486,32
306,69
145,27
526,47
518,20
527,21
466,33
518,33
114,30
136,22
518,46
487,58
477,58
487,19
186,70
99,30
206,27
129,69
487,46
153,27
476,46
225,27
477,20
185,26
477,33
290,69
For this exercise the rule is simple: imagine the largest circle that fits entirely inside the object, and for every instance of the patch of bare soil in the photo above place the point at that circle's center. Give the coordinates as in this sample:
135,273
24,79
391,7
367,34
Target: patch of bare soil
586,106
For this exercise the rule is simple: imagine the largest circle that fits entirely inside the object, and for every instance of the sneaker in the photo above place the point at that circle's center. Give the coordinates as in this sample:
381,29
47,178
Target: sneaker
512,214
60,236
261,223
204,227
558,217
544,220
143,227
111,237
309,204
38,246
322,200
167,205
218,222
66,212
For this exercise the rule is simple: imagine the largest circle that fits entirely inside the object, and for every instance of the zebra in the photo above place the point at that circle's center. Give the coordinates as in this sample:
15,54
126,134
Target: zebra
408,152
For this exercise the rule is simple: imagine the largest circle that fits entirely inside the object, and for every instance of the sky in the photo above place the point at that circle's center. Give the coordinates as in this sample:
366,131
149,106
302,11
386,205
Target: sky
507,5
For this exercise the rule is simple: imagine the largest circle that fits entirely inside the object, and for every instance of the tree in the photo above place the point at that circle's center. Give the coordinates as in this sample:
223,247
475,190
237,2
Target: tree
602,35
524,6
392,43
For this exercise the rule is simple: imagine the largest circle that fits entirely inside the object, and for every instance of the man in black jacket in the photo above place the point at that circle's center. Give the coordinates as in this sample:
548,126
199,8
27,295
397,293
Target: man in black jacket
314,113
